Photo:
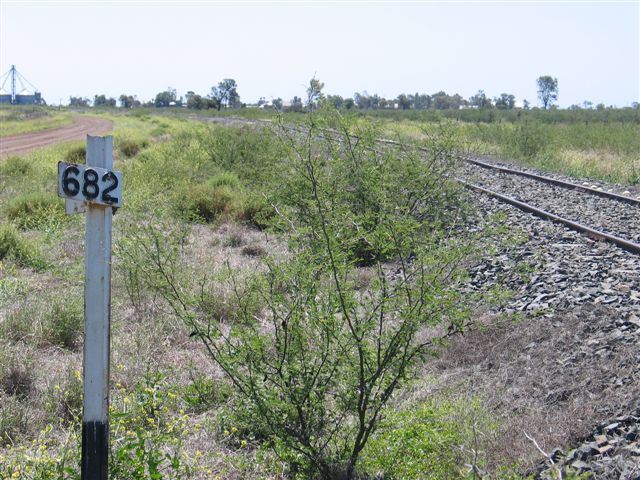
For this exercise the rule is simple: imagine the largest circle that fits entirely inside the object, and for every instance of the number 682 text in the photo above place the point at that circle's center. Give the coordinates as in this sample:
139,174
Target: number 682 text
90,184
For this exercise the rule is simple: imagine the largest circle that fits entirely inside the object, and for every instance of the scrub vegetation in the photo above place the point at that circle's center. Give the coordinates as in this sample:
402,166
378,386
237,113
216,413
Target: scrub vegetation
276,295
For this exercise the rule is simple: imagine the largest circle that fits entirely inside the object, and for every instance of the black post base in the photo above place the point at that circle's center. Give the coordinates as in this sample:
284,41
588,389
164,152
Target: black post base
95,451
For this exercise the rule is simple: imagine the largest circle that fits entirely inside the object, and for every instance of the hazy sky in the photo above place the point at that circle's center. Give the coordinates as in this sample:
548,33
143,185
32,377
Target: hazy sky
272,49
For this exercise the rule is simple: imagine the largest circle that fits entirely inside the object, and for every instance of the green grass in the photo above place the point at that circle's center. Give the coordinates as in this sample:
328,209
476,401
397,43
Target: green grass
15,120
608,151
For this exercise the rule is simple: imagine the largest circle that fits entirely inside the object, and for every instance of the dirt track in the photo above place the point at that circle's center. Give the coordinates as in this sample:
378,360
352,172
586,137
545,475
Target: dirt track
78,130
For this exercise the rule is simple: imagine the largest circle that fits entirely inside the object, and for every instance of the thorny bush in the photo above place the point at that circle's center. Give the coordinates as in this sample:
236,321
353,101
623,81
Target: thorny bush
317,364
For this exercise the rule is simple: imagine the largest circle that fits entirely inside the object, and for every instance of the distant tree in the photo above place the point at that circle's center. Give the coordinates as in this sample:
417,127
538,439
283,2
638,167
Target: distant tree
226,94
362,100
196,102
314,92
129,101
296,105
166,98
547,90
587,104
349,103
78,102
480,100
525,104
505,101
442,101
421,101
600,106
375,101
404,102
277,103
635,105
336,100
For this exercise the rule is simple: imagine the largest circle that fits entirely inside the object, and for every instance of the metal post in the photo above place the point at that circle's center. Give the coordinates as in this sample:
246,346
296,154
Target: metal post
97,308
13,84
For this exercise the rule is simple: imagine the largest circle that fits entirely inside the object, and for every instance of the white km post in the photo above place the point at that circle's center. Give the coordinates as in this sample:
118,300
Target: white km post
95,189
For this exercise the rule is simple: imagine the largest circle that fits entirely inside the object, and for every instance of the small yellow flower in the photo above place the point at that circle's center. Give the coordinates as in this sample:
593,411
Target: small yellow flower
243,443
78,375
226,432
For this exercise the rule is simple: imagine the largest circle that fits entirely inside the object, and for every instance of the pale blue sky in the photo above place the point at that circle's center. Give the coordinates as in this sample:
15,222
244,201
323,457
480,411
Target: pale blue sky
272,49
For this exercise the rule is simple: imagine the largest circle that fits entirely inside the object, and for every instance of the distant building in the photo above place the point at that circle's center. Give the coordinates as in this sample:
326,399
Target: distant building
24,96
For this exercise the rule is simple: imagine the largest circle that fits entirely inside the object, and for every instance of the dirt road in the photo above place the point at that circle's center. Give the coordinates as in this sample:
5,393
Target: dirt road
78,130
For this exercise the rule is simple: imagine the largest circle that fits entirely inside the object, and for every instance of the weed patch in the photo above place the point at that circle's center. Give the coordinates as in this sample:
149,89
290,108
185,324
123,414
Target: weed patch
38,211
15,247
14,166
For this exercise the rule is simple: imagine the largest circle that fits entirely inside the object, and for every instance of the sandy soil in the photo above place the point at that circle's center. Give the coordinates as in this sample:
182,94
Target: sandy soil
81,126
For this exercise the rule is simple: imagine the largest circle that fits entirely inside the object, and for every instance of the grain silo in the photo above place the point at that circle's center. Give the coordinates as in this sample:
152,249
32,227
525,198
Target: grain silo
24,96
5,97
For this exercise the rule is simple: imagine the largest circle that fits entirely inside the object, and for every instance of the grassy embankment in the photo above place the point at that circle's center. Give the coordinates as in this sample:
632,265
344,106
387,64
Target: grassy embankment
601,145
194,219
16,120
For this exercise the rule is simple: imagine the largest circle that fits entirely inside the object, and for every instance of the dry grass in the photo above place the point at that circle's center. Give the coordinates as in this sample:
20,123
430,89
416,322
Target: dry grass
146,339
548,377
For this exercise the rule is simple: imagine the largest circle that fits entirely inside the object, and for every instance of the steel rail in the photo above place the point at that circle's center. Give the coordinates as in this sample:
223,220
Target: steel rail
578,227
553,181
534,176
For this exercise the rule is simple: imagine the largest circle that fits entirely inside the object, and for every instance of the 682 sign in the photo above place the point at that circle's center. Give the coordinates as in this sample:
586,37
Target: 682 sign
90,184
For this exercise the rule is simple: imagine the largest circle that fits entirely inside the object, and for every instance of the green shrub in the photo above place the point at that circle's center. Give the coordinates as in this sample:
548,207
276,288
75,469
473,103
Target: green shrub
14,246
422,442
528,140
209,203
224,179
317,378
77,154
62,323
15,166
130,147
203,393
254,210
38,210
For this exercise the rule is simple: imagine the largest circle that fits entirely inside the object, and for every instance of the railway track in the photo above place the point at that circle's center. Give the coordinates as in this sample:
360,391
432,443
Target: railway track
597,213
600,214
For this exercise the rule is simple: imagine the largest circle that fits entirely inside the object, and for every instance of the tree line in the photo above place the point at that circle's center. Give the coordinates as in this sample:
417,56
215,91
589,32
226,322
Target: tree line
225,95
